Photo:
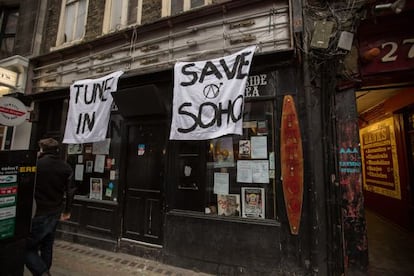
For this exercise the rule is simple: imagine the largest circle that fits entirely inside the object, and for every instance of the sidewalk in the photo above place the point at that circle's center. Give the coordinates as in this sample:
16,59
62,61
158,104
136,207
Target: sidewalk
71,259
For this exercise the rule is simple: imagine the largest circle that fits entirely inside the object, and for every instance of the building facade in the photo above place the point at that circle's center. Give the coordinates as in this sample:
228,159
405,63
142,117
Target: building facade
270,200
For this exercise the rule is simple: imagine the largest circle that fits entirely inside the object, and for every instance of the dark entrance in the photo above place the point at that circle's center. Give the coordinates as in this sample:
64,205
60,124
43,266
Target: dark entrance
143,210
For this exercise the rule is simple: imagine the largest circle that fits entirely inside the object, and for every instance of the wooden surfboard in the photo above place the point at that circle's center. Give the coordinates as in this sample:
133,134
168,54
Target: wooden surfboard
291,158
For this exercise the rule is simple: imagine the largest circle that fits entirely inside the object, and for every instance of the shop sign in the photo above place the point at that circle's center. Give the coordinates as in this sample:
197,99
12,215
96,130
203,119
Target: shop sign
89,109
7,77
209,96
12,111
379,159
386,46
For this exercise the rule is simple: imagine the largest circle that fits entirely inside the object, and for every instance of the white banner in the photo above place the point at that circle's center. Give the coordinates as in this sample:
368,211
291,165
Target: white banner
209,96
89,109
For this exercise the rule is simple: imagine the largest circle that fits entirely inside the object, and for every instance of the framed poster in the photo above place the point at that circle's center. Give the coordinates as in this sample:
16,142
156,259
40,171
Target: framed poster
228,205
253,202
95,188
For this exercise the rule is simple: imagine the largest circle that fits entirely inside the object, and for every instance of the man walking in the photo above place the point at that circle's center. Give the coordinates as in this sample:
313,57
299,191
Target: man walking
53,181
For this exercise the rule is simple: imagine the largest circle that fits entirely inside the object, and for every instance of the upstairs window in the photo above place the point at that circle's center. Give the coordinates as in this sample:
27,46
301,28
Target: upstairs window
121,13
72,21
8,21
174,7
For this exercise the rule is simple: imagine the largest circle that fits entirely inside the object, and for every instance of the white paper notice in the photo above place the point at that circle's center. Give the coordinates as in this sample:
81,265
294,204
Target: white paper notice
272,160
259,147
112,175
99,163
260,171
244,171
221,183
79,172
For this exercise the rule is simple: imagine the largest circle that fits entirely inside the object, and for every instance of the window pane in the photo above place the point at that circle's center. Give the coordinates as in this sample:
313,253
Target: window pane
7,46
11,24
132,11
80,22
196,3
69,15
177,6
116,14
232,170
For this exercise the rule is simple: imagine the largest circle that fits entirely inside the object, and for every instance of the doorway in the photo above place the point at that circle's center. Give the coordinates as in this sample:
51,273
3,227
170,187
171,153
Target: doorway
144,204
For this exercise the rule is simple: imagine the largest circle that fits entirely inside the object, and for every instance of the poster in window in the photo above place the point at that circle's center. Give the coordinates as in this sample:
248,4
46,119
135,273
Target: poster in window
95,188
244,149
89,166
75,148
253,202
228,205
223,152
259,147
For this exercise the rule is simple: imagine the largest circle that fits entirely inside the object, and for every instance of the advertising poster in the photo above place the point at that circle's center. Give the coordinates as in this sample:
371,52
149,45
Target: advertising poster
228,205
379,159
253,202
95,188
17,177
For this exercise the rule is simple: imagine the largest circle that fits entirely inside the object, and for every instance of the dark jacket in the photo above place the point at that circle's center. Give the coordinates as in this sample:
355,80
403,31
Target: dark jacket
53,181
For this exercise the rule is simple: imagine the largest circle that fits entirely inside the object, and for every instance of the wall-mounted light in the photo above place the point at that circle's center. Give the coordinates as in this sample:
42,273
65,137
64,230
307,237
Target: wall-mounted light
370,54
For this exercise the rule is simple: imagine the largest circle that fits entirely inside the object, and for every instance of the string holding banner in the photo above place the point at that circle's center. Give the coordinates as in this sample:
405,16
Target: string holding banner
209,96
89,109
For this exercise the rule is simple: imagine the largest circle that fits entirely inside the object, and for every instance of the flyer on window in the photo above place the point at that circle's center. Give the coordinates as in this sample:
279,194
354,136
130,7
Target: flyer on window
253,202
228,205
95,188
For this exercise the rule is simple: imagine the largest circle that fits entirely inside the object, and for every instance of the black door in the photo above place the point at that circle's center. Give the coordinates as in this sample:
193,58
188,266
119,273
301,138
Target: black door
143,212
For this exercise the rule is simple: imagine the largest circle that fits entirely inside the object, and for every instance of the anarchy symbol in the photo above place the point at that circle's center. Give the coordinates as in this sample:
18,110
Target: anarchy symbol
211,91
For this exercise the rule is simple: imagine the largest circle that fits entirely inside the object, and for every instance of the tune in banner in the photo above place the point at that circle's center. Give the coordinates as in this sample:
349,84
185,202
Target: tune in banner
209,96
89,109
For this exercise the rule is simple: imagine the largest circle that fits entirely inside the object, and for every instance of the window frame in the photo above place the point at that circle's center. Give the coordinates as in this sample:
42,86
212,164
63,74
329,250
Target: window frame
60,40
5,16
106,28
166,6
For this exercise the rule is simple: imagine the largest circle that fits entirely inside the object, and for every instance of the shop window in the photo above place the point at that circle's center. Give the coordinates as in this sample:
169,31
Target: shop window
9,19
174,7
96,165
72,21
121,14
236,174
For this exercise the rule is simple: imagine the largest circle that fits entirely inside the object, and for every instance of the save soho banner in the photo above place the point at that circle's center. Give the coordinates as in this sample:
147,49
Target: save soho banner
209,96
89,109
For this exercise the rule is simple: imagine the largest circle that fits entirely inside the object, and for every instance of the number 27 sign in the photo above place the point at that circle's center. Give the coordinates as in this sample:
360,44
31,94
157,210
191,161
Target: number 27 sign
393,43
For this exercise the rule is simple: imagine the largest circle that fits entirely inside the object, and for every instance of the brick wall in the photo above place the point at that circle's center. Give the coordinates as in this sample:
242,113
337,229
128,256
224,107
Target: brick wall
51,26
26,27
95,19
151,11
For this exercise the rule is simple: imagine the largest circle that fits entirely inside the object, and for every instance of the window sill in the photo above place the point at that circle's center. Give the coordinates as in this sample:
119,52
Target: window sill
199,215
86,199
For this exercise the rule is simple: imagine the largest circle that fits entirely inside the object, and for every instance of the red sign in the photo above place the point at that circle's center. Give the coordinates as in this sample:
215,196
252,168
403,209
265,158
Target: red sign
386,45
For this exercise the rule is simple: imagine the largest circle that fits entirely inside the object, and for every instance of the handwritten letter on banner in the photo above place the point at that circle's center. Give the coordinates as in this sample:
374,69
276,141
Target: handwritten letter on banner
89,109
209,96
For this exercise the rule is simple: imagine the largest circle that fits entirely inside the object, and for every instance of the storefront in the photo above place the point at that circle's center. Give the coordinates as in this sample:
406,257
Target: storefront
233,203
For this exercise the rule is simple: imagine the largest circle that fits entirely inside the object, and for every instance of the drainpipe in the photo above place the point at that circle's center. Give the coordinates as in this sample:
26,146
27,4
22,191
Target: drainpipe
319,259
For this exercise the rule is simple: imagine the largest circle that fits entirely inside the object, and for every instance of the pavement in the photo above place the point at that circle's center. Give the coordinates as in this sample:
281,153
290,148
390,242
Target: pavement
391,253
71,259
